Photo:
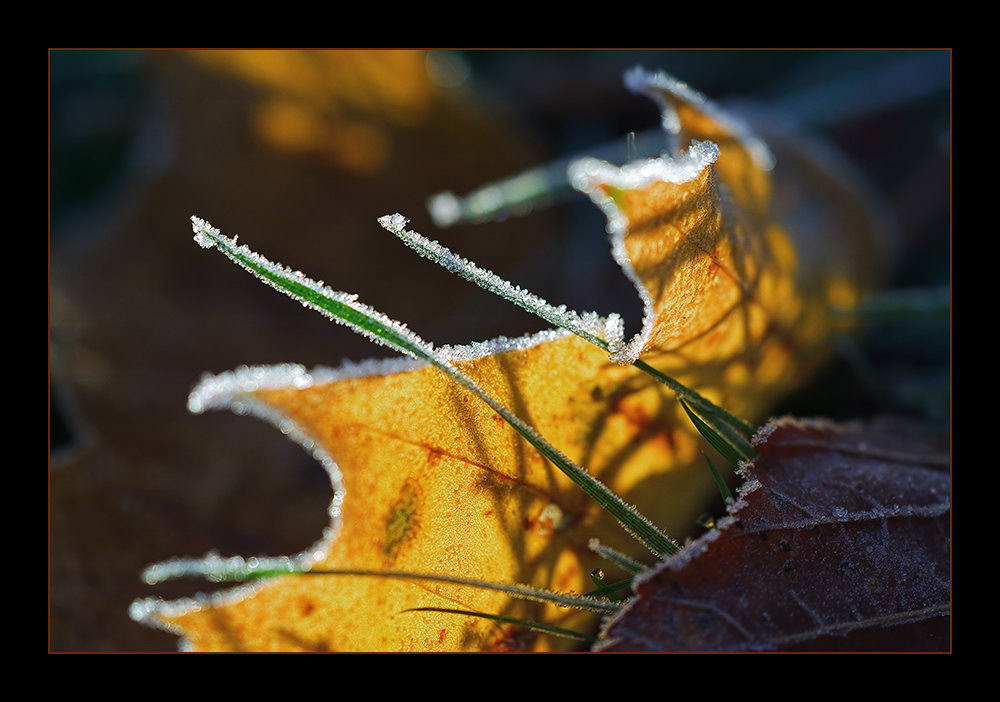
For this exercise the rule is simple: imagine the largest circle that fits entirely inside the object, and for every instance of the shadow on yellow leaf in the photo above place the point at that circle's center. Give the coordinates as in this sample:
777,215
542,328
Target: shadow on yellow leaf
429,479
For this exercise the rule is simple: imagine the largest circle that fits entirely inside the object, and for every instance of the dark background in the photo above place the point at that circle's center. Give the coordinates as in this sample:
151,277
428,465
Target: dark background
141,140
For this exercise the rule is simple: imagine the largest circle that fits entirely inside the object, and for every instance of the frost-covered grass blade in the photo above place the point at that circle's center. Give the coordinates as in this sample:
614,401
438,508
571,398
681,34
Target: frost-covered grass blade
345,309
221,570
602,332
527,191
588,602
627,564
342,308
611,590
727,424
238,569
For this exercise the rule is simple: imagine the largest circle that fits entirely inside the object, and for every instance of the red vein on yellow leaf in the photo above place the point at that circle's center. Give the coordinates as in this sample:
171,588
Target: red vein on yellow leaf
503,478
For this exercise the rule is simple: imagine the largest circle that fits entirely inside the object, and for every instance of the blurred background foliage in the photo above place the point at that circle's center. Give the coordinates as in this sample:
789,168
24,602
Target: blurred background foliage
299,152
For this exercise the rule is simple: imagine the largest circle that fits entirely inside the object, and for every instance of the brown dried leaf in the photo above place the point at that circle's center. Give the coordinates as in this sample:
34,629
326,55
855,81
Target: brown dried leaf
840,531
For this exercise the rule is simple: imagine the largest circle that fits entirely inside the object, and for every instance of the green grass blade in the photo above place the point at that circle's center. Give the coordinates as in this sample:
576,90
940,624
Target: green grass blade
345,309
526,191
597,577
732,453
727,495
611,589
589,326
627,564
533,626
626,515
524,592
337,306
731,426
221,570
519,193
239,569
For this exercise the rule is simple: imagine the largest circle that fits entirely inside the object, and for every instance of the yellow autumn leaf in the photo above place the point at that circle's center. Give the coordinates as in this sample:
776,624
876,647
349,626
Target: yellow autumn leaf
430,479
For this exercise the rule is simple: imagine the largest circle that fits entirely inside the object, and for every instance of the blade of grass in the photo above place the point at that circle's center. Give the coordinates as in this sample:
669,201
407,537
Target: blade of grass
533,626
729,425
590,602
590,326
340,307
627,564
526,191
597,577
732,453
345,309
238,569
727,495
215,568
610,589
